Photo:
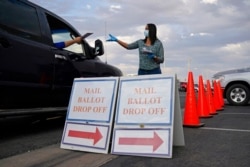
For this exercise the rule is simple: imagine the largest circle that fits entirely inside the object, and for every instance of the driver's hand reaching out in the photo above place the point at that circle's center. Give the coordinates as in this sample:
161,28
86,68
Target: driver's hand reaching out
78,40
64,44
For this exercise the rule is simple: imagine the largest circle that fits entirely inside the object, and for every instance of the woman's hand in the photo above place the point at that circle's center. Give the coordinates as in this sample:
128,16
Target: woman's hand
112,38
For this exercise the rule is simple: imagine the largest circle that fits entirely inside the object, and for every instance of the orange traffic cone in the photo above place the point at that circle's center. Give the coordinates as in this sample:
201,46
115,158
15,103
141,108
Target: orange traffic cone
210,99
202,106
217,100
191,118
221,94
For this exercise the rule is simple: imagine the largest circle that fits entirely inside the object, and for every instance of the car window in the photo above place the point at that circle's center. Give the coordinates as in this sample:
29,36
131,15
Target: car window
64,35
61,32
20,19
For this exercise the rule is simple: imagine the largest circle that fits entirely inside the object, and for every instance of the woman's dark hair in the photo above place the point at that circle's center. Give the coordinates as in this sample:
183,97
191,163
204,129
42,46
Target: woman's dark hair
152,32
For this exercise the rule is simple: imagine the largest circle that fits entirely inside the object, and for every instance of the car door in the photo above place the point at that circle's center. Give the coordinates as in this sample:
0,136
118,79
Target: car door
64,69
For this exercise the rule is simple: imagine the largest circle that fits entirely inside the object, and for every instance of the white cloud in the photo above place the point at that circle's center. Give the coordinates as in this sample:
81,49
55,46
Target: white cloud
237,50
115,8
88,6
210,1
200,34
206,34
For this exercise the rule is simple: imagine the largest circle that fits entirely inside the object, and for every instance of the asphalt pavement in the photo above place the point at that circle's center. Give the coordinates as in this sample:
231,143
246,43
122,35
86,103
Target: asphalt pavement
222,142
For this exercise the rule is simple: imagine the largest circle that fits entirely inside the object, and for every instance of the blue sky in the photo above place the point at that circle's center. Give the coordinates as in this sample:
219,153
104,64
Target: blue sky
202,36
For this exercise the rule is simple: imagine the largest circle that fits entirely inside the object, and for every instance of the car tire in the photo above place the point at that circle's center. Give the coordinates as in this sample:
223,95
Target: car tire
238,95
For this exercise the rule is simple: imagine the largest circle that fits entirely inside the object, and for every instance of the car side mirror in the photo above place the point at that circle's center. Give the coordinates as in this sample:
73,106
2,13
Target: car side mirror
99,49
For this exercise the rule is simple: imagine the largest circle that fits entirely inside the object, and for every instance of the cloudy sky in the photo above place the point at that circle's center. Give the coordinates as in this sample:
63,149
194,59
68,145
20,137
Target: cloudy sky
202,36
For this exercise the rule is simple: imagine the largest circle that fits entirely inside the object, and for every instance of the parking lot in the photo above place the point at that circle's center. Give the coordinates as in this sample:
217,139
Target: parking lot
223,141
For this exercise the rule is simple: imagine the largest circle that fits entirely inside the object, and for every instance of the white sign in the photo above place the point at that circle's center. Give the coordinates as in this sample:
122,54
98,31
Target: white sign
146,142
92,99
140,99
89,120
147,116
85,136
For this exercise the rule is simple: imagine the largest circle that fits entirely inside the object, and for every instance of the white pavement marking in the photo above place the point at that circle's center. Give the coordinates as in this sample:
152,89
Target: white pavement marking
223,129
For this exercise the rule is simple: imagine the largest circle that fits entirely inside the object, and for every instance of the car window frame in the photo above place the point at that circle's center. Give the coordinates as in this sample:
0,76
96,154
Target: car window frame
25,27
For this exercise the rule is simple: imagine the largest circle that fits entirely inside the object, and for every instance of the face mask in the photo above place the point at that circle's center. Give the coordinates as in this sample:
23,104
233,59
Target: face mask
146,33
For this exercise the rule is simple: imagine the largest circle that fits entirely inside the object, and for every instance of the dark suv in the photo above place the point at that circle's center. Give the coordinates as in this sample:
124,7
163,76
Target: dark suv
34,73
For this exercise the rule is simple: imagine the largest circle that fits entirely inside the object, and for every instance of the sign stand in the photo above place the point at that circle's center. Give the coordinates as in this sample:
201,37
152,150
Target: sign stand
147,122
89,119
178,128
148,117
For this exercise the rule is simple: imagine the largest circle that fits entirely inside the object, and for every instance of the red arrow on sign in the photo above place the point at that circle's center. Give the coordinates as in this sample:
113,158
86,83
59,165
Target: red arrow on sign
96,136
156,141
